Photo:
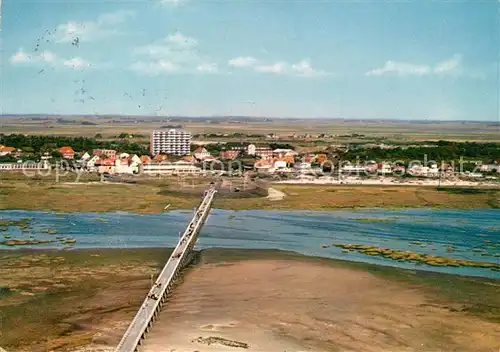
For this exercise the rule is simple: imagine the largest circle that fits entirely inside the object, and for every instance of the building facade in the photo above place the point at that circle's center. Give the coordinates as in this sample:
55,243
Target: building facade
110,153
201,153
260,151
168,168
171,141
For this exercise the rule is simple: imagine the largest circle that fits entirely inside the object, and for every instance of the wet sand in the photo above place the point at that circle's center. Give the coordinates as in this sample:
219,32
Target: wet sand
252,300
281,305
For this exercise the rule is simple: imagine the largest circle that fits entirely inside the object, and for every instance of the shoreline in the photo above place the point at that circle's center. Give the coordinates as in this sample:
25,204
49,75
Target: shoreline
392,181
236,210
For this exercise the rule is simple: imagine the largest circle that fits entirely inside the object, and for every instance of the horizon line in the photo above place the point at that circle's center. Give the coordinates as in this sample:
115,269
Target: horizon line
207,117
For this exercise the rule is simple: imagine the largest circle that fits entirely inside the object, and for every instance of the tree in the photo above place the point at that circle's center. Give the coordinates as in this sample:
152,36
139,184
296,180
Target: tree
281,146
98,136
7,158
55,154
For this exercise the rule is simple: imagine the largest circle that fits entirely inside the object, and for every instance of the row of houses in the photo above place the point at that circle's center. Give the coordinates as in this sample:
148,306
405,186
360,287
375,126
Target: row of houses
260,151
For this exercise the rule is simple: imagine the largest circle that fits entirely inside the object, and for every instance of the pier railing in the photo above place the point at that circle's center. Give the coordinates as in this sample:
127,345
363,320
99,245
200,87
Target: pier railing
150,308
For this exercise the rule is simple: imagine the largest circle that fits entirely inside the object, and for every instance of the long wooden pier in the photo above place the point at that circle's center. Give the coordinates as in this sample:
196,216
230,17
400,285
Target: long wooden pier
150,308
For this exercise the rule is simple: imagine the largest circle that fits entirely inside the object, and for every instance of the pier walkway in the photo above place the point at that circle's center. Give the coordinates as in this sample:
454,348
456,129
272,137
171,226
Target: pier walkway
150,308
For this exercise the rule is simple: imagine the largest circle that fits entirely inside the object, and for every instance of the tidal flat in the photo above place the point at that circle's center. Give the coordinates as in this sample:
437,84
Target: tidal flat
264,299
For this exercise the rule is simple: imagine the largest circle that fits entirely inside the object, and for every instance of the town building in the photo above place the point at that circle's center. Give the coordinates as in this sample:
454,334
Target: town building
127,164
280,153
263,165
85,156
66,152
145,159
159,158
26,166
172,141
110,153
260,151
229,154
6,150
190,159
280,164
351,169
201,153
167,168
385,168
489,168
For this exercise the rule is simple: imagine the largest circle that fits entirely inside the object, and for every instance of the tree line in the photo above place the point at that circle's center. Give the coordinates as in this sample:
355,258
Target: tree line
38,144
444,151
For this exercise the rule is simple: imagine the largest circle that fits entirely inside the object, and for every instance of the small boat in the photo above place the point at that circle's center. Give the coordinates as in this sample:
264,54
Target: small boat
166,207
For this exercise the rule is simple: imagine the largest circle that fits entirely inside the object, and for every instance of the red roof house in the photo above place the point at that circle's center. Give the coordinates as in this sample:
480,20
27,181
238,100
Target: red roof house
66,152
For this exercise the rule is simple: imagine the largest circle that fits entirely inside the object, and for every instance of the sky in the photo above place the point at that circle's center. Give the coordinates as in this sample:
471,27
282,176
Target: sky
422,60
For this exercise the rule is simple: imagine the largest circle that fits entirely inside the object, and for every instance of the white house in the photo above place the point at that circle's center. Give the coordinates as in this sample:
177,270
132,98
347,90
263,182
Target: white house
85,156
425,171
263,152
304,167
489,167
385,168
201,153
280,164
127,164
167,168
353,168
251,149
135,159
90,164
280,153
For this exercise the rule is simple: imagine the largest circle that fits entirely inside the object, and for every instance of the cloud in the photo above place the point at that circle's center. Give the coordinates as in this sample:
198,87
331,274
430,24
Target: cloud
103,27
207,67
114,18
175,47
399,68
154,67
278,67
76,63
181,40
20,57
176,53
172,3
47,58
449,66
452,66
302,68
243,61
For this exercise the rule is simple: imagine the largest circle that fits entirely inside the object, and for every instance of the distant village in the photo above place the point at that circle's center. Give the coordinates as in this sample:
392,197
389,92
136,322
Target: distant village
173,152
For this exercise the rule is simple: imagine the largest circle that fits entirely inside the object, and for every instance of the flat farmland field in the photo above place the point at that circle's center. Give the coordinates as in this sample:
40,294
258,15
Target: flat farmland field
392,130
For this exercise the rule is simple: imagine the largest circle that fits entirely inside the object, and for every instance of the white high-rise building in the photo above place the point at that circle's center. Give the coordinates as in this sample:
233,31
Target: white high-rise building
170,142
